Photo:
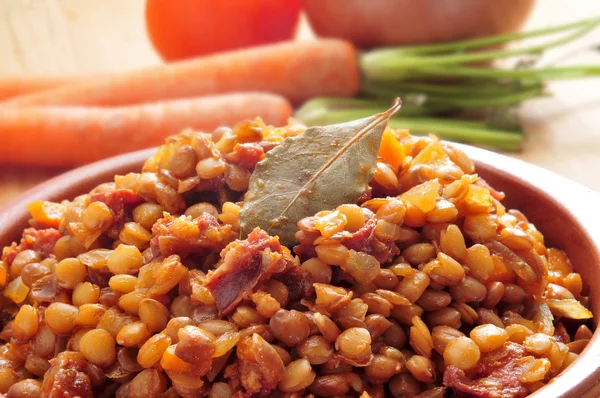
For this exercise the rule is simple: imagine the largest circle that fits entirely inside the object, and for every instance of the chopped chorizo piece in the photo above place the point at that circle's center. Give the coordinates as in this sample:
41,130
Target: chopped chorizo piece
38,240
260,366
213,184
305,252
245,263
184,235
364,240
232,375
368,194
246,155
495,376
9,253
67,377
298,281
118,201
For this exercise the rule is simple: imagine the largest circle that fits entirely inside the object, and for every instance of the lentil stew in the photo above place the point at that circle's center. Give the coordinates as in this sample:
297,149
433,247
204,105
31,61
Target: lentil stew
427,286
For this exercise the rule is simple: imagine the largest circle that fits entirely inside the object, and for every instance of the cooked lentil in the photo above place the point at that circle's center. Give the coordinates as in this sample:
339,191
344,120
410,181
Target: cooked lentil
427,285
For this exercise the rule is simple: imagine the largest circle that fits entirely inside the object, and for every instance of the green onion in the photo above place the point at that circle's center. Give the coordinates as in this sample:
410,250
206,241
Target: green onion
443,89
388,64
457,130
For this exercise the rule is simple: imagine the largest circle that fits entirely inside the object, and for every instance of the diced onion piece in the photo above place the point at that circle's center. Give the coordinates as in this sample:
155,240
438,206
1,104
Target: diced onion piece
569,308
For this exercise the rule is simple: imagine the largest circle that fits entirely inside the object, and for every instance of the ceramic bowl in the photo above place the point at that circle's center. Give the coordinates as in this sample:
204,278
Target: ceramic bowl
565,212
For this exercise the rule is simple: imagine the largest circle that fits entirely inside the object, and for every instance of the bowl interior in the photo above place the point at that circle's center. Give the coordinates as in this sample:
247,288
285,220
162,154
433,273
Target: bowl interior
553,216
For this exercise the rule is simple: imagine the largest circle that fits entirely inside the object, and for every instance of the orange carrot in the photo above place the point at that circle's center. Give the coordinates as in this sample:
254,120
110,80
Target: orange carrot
296,70
391,150
13,86
46,213
67,136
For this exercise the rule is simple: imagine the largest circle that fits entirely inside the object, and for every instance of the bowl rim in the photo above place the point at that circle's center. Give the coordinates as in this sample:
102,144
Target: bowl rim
579,379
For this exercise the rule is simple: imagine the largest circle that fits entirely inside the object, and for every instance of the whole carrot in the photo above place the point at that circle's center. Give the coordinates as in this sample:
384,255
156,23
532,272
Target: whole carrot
296,70
68,136
15,85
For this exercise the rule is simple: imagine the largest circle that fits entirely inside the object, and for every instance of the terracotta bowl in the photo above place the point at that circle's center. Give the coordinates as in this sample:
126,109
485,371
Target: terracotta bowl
565,212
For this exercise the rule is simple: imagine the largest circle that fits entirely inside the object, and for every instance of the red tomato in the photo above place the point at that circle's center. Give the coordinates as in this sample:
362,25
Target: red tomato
185,28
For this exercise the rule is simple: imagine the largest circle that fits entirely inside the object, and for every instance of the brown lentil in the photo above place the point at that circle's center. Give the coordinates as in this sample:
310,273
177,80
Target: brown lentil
462,352
495,291
468,290
513,294
433,299
316,349
518,333
245,316
420,338
125,259
533,369
60,317
452,242
488,337
298,375
404,385
442,335
583,332
412,287
69,272
354,343
152,350
382,368
538,343
195,344
135,234
175,324
26,323
419,253
85,293
147,214
198,209
488,316
98,347
289,327
444,316
89,315
133,334
320,271
421,368
25,388
122,283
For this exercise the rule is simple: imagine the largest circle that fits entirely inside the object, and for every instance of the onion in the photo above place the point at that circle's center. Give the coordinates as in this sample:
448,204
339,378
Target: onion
370,23
569,308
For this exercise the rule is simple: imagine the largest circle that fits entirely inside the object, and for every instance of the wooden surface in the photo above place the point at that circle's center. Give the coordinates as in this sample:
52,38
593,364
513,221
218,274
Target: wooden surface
67,36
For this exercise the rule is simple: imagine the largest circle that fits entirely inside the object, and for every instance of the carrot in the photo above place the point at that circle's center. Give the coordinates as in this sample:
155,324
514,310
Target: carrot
296,70
46,213
67,136
13,86
391,150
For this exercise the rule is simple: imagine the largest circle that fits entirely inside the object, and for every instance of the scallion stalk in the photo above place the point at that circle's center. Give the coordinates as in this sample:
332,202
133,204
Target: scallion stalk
458,130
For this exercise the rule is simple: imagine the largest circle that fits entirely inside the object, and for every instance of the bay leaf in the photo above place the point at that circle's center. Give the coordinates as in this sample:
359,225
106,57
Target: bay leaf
320,169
